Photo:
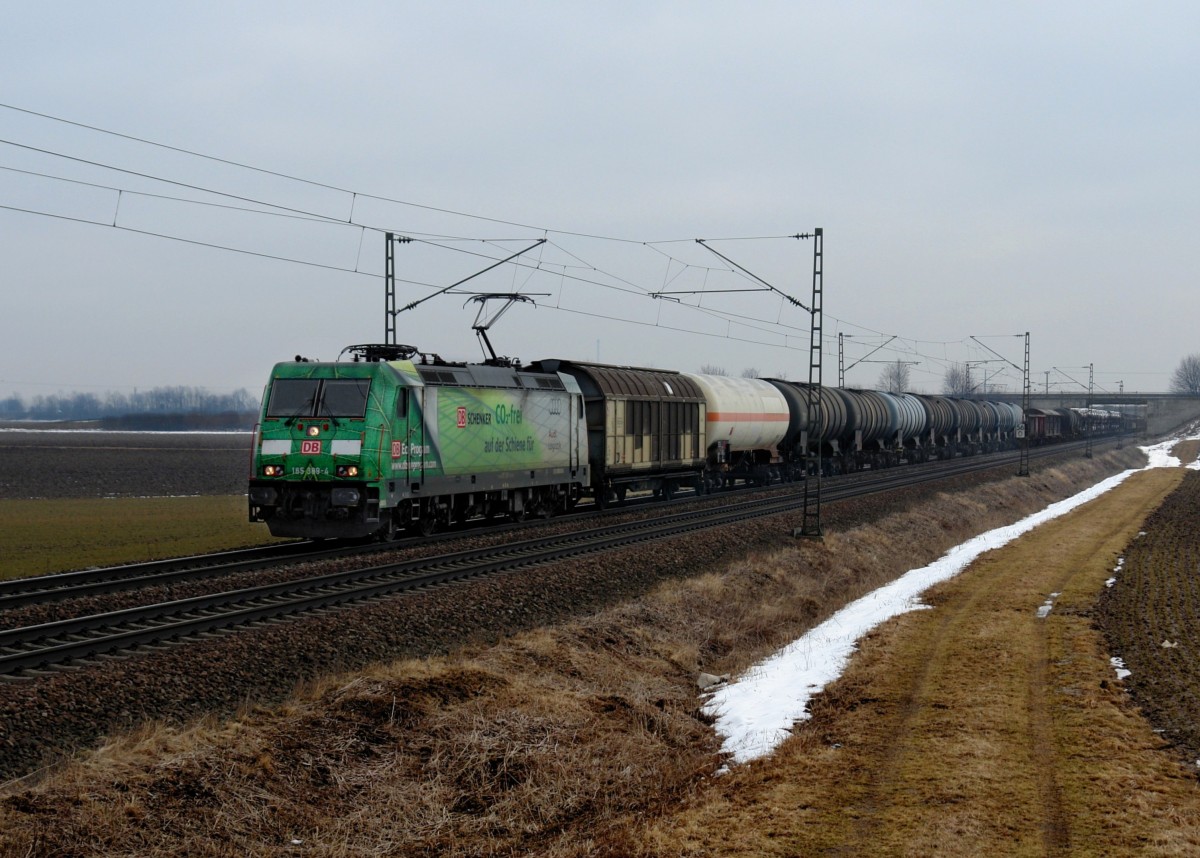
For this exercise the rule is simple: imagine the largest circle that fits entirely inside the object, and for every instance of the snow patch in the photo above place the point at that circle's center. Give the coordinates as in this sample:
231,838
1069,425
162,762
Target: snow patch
1116,570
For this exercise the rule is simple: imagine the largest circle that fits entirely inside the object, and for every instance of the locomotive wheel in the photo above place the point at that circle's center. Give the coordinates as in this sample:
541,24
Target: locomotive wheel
388,531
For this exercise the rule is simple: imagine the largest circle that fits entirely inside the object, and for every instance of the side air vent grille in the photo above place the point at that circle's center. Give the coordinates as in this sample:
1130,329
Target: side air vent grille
438,376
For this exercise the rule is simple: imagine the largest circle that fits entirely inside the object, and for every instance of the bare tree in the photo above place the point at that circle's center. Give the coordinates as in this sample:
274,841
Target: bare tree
751,372
712,369
1186,378
895,377
956,381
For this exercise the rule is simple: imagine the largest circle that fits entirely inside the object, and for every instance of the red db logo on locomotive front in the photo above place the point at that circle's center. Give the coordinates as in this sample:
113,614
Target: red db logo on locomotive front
310,448
462,417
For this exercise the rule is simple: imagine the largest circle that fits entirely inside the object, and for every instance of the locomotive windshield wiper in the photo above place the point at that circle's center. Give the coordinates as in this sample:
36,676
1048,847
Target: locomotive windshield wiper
298,414
325,408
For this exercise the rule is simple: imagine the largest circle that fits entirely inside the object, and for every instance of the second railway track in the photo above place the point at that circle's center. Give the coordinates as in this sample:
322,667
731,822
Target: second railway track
27,652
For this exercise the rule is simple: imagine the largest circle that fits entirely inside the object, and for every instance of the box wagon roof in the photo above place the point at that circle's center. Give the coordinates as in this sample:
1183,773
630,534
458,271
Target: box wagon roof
629,380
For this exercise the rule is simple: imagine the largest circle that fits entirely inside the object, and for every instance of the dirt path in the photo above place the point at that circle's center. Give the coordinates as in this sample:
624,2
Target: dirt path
979,726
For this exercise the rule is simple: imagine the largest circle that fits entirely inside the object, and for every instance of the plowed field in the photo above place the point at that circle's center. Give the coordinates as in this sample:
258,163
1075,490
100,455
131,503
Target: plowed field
1151,617
50,464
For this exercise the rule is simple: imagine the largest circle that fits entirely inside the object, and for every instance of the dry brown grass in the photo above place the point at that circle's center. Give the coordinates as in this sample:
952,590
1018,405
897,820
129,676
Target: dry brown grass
567,741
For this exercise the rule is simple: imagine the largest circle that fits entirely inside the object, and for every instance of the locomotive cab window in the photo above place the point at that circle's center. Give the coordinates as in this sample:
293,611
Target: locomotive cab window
402,402
292,397
345,397
313,397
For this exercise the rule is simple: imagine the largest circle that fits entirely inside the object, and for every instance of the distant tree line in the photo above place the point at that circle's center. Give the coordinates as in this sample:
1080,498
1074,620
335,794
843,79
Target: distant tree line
159,407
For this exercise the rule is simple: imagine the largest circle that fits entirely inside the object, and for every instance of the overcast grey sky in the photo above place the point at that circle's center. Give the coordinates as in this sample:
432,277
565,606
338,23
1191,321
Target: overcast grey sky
979,170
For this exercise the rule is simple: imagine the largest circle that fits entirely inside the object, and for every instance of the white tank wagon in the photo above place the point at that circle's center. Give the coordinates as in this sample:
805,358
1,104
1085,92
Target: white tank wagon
746,420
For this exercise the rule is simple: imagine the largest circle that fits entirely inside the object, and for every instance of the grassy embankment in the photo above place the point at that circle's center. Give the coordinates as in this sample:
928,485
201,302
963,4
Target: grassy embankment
39,536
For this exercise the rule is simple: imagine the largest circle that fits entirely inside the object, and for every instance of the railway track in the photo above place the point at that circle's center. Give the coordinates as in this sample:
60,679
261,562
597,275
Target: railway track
28,652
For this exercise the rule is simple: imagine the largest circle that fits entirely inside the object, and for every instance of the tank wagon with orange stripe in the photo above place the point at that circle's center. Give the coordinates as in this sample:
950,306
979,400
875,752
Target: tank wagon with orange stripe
746,422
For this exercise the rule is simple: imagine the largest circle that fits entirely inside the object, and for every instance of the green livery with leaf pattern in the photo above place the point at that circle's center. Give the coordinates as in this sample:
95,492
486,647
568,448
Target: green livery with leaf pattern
382,443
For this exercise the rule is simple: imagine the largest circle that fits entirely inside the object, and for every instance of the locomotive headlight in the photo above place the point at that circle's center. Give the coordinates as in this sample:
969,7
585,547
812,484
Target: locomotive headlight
314,431
272,470
347,470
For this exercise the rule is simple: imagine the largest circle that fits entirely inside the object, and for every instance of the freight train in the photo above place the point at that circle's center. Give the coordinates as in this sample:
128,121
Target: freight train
1057,424
396,439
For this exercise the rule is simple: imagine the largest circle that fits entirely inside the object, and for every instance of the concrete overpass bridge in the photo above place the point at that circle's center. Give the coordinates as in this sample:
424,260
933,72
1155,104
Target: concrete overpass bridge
1164,411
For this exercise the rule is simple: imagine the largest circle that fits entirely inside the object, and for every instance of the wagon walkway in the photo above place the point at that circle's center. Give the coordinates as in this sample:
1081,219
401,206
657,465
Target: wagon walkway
993,723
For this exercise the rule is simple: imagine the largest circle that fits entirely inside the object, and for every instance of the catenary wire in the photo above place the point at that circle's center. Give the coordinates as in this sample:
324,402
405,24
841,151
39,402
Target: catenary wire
304,214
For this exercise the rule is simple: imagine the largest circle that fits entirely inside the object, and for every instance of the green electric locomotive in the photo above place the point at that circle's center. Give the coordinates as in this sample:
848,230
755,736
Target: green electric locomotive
396,439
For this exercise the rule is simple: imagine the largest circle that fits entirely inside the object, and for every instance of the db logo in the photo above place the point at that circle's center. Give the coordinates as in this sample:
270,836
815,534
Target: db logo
310,448
462,417
397,449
